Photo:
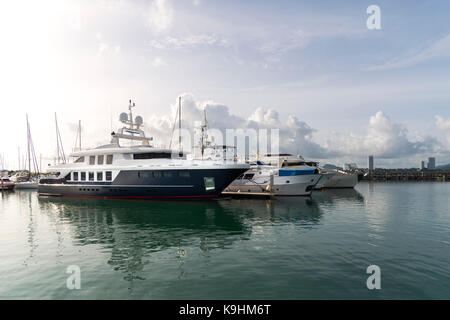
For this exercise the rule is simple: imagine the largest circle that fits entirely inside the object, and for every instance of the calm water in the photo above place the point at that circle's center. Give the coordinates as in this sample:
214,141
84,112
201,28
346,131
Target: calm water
291,248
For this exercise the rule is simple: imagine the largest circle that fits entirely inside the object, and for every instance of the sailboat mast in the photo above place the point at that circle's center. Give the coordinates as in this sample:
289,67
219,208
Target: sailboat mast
28,148
179,123
79,130
57,141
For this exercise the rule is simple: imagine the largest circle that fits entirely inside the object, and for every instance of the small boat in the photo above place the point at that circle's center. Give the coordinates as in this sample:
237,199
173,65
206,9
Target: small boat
6,184
279,181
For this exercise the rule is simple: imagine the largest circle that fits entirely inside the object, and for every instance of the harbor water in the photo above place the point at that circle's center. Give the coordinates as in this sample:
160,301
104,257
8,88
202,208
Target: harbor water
286,248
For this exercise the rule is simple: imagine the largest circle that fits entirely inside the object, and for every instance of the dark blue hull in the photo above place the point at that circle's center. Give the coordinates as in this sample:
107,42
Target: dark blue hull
143,184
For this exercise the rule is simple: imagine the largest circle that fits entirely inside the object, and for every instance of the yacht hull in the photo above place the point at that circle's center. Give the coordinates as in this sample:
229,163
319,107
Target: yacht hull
141,184
282,185
26,185
342,180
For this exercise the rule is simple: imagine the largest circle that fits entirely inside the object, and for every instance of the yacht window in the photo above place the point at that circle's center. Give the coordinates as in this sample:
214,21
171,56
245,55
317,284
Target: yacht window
91,160
167,174
157,174
249,176
145,174
91,176
75,176
152,155
67,177
100,159
80,159
108,175
99,176
184,174
83,176
109,159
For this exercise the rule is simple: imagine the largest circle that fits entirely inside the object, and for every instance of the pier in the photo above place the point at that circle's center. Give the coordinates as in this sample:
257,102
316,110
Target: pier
406,175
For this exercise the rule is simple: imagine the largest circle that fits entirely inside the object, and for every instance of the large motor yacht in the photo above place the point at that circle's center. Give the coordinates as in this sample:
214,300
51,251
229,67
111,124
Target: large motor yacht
138,171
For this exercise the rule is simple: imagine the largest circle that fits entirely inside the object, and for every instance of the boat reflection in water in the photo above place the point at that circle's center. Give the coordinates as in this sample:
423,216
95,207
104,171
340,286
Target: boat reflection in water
136,236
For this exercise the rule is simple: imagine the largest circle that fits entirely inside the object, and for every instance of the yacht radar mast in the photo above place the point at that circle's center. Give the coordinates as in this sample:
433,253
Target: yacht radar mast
132,129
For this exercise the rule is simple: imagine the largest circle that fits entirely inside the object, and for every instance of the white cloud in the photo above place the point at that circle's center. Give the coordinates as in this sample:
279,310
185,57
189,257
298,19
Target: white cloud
160,16
439,49
442,123
188,41
384,139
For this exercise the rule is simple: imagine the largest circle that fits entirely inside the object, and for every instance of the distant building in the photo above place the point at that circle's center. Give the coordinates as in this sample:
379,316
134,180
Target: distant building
422,165
370,163
431,163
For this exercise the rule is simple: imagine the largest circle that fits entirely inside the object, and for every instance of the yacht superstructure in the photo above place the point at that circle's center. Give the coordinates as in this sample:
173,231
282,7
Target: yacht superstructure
138,171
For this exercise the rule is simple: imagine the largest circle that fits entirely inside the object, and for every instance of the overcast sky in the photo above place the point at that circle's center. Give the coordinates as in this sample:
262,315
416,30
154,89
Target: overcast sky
337,90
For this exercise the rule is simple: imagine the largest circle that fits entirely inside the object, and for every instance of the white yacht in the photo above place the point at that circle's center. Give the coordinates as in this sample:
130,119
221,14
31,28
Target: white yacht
297,181
329,178
138,171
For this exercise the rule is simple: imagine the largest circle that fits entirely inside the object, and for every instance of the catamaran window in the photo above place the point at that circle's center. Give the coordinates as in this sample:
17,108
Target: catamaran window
91,160
152,155
109,159
249,176
184,174
210,185
75,176
80,159
99,176
91,176
83,176
108,175
100,159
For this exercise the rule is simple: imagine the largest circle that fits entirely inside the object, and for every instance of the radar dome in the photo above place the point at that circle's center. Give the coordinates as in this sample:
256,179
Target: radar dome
138,120
123,117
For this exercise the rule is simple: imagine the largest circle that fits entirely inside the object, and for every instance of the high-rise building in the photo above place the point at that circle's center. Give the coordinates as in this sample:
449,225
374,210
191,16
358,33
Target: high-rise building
370,163
431,163
422,165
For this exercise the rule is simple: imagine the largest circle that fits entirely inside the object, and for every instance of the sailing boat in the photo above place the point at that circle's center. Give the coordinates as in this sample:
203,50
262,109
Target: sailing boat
29,182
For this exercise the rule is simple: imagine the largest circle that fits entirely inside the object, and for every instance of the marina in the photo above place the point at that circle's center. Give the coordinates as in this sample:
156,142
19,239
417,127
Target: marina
314,247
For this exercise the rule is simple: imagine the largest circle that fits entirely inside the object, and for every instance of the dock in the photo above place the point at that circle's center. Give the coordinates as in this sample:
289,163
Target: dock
235,194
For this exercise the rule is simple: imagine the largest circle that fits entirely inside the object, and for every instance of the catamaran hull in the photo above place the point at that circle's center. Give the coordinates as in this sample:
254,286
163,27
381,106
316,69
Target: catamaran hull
140,184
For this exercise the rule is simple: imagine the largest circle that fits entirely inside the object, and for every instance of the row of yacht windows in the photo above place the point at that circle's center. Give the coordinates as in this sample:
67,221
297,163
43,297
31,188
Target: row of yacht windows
90,176
100,159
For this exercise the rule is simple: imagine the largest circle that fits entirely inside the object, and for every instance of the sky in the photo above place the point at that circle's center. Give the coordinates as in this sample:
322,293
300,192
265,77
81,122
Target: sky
337,90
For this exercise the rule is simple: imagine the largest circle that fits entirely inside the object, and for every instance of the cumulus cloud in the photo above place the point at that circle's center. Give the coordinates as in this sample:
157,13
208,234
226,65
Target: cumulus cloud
295,136
442,123
383,138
